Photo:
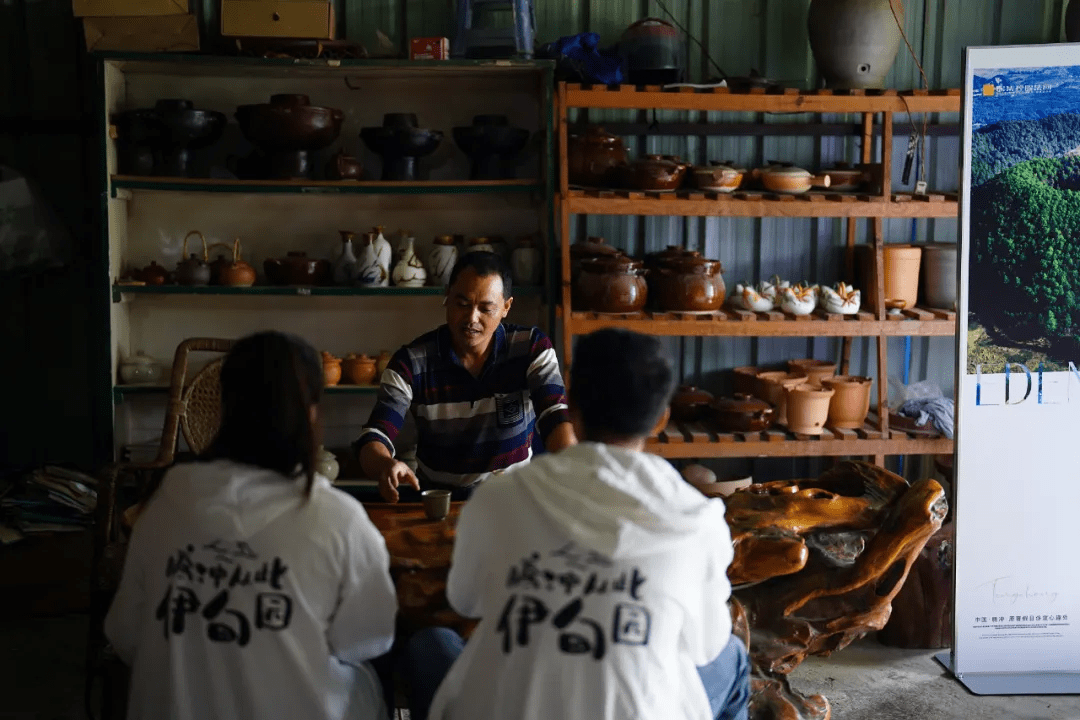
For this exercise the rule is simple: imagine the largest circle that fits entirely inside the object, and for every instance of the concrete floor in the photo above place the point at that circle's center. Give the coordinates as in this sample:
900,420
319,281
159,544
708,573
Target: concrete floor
41,669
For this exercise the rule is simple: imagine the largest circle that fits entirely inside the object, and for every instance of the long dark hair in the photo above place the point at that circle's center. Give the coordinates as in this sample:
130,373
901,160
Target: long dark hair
269,383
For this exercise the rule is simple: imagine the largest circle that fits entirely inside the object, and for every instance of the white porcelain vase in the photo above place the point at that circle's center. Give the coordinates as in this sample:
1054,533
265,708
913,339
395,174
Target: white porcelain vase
441,260
409,271
385,255
525,265
369,271
345,265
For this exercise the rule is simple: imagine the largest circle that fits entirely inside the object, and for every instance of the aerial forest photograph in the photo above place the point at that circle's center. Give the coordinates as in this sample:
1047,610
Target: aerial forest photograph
1024,280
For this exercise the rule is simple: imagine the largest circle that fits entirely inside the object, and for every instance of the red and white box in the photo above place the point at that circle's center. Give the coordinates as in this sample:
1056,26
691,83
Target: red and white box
429,48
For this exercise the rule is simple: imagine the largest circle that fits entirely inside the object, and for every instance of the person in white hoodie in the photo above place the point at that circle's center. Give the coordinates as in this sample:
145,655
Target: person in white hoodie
598,574
252,589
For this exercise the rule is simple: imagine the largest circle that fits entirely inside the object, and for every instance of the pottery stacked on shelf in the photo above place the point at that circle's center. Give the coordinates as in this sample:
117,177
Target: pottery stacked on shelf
786,178
296,268
331,369
717,177
611,284
808,408
592,156
900,271
161,140
346,267
854,42
773,386
652,172
814,370
741,413
841,298
690,404
373,262
359,369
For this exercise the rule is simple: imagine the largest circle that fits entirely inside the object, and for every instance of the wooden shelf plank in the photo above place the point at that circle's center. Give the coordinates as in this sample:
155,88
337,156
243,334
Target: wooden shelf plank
696,440
734,323
755,204
302,187
120,290
783,100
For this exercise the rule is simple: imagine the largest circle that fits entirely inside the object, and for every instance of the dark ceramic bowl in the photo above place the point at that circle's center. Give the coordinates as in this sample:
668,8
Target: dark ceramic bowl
287,125
401,141
297,269
183,125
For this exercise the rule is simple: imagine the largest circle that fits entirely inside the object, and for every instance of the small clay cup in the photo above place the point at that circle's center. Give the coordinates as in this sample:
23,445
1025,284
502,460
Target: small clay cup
436,503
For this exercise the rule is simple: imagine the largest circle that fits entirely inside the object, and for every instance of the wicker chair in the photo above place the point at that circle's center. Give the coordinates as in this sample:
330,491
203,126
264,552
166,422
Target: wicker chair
195,410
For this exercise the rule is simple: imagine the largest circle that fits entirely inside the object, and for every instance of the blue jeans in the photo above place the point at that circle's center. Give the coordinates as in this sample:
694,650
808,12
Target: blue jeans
430,652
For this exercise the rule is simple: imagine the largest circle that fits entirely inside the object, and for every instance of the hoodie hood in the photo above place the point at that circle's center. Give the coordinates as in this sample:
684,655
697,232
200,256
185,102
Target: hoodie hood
231,499
622,503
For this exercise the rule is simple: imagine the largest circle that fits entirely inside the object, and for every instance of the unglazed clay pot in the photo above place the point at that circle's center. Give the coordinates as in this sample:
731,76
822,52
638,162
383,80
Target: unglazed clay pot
231,273
851,402
939,275
742,413
690,284
808,408
653,172
331,367
773,387
359,369
854,41
902,275
814,370
690,404
613,284
592,154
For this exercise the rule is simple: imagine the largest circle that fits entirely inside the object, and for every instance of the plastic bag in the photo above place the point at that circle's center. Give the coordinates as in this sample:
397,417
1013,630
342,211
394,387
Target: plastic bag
31,238
901,393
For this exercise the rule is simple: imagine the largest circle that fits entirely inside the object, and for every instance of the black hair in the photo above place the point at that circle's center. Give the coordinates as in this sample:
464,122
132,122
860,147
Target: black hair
269,383
484,263
621,382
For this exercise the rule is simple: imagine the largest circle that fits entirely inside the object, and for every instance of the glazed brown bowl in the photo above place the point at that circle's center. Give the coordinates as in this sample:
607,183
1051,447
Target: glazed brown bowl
613,284
591,156
690,404
688,285
741,413
297,268
288,124
653,172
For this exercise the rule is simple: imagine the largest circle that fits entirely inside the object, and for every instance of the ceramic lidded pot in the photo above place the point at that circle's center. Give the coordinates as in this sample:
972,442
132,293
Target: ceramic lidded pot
814,370
358,369
789,179
296,268
688,284
613,284
343,167
592,154
194,270
653,53
588,248
153,274
331,369
139,369
854,42
690,404
773,387
851,402
716,177
741,413
808,408
653,172
441,259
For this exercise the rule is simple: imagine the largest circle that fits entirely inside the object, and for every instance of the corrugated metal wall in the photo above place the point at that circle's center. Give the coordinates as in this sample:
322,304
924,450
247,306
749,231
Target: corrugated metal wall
43,133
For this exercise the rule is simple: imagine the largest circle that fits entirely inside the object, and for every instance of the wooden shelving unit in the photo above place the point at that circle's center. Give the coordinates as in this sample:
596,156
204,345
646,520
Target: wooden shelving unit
697,440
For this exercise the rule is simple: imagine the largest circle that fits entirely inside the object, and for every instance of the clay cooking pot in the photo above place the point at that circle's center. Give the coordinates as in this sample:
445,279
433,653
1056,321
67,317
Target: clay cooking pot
788,179
653,172
297,269
614,284
359,369
592,154
690,404
741,413
689,284
331,369
716,177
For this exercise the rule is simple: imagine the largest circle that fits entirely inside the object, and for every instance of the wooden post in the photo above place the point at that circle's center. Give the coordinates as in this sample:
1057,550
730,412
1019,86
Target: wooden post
564,229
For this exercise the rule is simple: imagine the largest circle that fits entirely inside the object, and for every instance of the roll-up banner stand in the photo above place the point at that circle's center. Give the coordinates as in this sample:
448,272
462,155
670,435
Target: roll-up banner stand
1016,621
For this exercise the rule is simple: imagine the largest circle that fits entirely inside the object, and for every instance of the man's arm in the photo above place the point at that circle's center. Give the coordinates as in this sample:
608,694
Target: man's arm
375,446
548,394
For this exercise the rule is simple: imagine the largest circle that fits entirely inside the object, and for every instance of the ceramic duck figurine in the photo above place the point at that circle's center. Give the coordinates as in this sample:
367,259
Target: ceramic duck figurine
384,253
771,288
747,297
798,300
409,271
842,298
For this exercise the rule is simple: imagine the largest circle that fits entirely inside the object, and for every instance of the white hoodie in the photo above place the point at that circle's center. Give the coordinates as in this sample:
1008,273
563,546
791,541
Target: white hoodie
600,577
240,599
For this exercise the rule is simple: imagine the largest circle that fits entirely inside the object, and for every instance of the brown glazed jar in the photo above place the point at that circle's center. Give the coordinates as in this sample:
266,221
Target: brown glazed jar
589,248
653,172
592,154
688,284
614,284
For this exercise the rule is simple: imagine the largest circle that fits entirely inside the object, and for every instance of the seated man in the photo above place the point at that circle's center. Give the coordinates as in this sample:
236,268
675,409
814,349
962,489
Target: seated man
598,573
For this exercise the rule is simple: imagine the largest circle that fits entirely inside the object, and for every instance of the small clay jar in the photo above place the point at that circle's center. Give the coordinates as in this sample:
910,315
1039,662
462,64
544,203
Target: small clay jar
358,369
773,387
688,284
153,274
851,402
741,413
690,404
591,156
808,408
614,284
814,370
194,270
331,369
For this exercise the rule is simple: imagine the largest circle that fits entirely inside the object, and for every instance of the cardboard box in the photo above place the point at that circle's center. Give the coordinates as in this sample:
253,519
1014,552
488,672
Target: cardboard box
164,33
429,48
128,8
305,19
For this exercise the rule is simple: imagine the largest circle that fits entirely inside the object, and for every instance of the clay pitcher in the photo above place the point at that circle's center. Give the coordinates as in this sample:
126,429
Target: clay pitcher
855,41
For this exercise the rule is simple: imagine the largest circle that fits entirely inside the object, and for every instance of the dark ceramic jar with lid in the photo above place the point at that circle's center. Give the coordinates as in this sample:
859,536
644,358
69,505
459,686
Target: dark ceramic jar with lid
689,284
741,413
612,284
690,403
592,155
653,172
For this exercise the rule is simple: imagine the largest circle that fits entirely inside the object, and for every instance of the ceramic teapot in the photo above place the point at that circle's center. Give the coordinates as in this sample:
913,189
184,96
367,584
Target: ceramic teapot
193,270
234,273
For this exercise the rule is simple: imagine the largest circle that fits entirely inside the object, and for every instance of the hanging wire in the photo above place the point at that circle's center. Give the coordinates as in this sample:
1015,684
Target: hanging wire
687,33
921,172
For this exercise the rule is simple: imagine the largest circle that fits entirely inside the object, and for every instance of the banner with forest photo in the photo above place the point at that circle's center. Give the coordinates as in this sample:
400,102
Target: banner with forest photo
1017,467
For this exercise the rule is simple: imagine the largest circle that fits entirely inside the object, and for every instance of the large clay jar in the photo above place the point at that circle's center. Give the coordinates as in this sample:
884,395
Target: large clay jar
592,154
690,284
441,259
612,285
773,387
854,41
358,369
814,370
808,408
939,275
851,401
902,275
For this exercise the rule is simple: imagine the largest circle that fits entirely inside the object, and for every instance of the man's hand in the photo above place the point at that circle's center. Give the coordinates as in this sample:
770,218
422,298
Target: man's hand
396,473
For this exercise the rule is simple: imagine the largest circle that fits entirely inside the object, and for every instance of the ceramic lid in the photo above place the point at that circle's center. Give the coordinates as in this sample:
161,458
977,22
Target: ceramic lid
613,264
596,135
787,171
593,246
666,162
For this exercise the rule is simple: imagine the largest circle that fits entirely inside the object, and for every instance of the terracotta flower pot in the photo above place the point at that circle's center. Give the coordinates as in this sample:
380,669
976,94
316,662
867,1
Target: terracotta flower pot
851,401
814,370
902,275
773,387
808,408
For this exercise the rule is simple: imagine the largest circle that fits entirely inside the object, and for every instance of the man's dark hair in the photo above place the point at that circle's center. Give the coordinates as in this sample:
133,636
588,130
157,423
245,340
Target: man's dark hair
621,382
269,382
484,263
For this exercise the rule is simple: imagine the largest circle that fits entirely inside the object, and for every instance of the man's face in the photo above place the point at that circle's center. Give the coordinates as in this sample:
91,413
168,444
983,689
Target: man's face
474,308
